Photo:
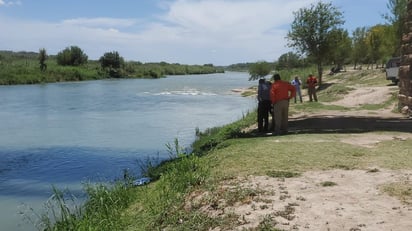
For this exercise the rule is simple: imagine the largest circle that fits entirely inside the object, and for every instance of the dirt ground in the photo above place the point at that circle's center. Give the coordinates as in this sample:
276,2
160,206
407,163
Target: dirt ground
356,201
303,203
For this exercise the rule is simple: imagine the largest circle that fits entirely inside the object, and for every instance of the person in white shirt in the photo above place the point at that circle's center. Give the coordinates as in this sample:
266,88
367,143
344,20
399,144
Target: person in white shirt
297,83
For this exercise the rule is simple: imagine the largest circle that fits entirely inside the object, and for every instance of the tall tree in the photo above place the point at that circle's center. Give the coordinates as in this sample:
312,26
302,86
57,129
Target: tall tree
340,47
359,46
375,40
42,59
310,31
397,19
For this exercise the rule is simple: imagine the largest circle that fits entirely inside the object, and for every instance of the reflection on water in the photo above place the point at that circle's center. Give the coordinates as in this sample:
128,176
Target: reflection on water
68,133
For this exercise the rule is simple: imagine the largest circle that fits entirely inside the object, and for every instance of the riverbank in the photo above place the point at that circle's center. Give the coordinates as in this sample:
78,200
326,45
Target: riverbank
24,68
338,161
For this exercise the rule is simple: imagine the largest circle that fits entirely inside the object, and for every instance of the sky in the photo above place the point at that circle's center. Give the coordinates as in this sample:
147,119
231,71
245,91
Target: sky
219,32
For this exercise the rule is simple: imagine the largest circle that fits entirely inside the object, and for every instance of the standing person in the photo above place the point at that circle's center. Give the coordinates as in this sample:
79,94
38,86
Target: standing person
312,82
280,94
297,82
263,105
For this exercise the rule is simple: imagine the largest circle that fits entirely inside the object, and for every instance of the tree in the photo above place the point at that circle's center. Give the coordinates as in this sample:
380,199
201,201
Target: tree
340,47
310,31
359,46
112,62
42,59
376,39
259,69
289,60
71,56
398,8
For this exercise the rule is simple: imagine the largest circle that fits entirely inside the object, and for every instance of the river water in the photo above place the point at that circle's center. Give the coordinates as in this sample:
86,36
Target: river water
65,134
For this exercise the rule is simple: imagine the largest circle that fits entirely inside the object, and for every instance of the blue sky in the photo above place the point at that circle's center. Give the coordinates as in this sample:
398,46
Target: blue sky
220,32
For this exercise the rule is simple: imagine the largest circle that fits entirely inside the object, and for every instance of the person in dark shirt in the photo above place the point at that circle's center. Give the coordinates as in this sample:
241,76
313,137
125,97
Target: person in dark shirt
264,105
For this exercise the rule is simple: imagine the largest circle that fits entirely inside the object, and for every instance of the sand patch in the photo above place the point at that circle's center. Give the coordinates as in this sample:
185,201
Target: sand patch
354,201
365,95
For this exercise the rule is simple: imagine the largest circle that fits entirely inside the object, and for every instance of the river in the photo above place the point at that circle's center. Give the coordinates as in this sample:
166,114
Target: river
65,134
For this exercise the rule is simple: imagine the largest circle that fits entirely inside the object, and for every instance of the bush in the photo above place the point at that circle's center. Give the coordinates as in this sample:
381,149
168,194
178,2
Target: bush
71,56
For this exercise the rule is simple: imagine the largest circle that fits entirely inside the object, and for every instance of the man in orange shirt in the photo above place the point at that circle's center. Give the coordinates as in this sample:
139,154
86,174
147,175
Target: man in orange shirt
280,94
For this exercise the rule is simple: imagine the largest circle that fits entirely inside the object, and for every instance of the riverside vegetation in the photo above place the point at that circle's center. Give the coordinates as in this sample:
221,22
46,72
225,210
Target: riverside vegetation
199,190
24,68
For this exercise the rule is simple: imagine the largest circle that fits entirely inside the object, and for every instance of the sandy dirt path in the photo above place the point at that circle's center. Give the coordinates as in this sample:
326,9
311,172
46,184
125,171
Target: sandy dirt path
356,202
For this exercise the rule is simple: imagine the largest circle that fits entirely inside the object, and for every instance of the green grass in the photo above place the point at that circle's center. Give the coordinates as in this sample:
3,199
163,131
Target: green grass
400,190
315,107
282,174
334,92
328,184
189,183
303,152
16,68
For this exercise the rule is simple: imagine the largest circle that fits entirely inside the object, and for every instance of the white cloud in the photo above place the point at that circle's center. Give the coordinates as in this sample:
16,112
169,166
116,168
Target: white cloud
100,22
191,32
9,3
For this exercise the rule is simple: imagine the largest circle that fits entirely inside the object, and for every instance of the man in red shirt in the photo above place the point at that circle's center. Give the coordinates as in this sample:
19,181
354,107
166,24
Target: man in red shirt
280,94
312,82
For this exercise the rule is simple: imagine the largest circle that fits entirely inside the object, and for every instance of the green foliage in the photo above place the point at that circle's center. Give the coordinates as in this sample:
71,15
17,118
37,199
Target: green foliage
106,203
42,59
244,67
102,210
379,46
259,70
112,62
334,92
397,20
401,190
62,212
360,46
71,56
289,74
282,174
23,68
340,47
328,184
215,137
311,29
290,60
161,205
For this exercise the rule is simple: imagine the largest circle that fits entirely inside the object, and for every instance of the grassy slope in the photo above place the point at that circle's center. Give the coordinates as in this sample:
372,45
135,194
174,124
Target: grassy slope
302,152
172,202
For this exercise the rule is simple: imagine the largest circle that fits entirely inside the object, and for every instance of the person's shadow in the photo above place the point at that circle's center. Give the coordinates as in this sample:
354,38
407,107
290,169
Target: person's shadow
348,124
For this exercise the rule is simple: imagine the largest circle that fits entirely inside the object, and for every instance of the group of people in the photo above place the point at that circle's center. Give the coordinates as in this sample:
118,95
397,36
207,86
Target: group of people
273,98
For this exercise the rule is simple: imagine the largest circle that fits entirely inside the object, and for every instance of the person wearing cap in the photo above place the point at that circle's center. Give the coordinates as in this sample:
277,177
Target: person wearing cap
280,94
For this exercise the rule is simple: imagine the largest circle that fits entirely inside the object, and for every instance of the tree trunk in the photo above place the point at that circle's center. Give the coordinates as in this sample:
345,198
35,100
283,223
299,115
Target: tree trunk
405,69
320,70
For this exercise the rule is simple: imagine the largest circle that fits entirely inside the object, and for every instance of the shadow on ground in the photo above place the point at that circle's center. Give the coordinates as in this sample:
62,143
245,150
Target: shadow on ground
348,124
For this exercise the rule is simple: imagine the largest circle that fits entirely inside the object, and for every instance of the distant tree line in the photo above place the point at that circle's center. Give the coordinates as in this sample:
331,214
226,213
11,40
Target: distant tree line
72,64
